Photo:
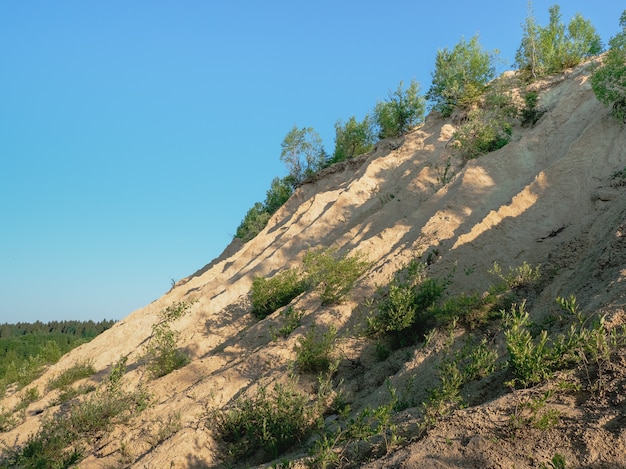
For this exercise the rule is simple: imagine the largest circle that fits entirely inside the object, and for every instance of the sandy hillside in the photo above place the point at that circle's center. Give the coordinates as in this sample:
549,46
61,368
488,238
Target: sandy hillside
547,198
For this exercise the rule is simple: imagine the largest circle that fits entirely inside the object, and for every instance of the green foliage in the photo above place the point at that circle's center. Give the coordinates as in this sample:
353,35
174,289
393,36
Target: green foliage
253,223
484,131
269,294
524,275
257,217
291,321
404,311
476,360
403,110
530,113
303,153
349,438
609,80
315,352
161,353
331,274
269,422
461,76
557,462
555,47
81,369
352,139
532,412
534,359
61,439
25,348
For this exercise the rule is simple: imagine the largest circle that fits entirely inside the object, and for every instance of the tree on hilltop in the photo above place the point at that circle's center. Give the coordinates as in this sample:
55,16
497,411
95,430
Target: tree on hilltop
461,76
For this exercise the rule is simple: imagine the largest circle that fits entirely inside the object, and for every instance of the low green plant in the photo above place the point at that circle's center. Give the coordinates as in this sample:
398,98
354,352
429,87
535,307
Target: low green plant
61,439
315,351
474,361
345,438
557,462
534,360
269,422
291,318
331,274
404,311
532,412
81,369
524,275
269,294
161,354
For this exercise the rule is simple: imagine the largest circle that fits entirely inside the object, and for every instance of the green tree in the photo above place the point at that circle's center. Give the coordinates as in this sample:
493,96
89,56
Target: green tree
278,193
403,110
461,75
303,153
255,220
555,47
609,81
352,138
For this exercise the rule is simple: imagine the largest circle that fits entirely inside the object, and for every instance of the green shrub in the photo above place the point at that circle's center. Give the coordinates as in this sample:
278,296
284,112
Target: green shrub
269,294
161,353
534,360
485,131
461,76
269,422
315,352
530,114
331,274
609,80
403,110
404,312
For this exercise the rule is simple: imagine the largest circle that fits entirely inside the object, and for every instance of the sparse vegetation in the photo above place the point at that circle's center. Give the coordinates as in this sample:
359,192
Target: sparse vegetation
609,80
534,360
62,438
291,321
81,369
162,355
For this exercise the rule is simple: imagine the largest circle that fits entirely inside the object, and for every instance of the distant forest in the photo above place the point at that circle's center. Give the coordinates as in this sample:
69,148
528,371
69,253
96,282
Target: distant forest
25,348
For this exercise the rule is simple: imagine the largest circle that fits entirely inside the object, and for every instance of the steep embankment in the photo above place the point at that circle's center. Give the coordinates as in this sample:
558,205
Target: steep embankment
547,198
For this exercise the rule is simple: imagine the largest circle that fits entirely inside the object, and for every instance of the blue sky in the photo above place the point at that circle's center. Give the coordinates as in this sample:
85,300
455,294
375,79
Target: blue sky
135,135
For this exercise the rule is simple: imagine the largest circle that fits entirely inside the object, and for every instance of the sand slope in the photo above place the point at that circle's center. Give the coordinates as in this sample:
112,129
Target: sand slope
546,198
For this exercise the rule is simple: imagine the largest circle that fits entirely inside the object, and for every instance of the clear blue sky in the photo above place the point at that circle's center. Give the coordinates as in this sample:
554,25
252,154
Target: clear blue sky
135,135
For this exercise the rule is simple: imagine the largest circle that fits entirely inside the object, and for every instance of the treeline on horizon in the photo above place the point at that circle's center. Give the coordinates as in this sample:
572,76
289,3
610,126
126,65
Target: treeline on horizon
464,80
26,348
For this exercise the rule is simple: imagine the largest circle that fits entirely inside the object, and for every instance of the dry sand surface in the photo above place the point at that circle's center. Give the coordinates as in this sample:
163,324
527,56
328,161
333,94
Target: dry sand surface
548,197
